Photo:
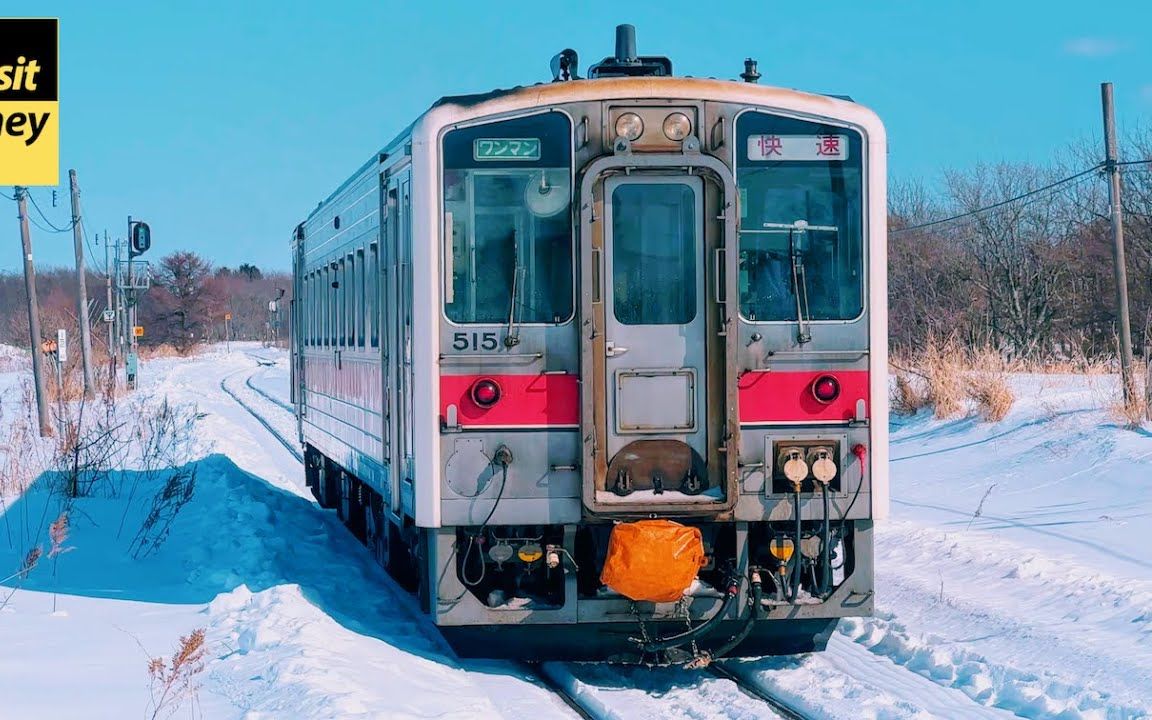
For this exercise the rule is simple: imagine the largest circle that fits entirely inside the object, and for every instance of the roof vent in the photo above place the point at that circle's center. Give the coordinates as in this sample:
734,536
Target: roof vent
626,63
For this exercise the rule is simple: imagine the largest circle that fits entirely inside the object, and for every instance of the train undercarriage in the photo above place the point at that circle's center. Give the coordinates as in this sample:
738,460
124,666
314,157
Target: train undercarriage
535,592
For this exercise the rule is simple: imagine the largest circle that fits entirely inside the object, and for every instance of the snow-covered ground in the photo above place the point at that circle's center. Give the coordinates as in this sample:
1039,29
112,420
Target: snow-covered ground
1015,579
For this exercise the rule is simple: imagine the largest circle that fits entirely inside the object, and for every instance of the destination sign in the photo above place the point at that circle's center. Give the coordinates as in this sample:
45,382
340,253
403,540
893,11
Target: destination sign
807,148
527,149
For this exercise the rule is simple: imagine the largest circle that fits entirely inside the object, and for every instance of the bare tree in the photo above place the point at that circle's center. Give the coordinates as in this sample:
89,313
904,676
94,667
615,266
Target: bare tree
1016,248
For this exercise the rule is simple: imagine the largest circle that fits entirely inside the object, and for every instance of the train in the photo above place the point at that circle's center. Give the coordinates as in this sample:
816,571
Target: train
597,367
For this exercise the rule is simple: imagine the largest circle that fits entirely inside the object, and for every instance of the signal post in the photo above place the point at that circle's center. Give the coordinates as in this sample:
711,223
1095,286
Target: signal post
136,279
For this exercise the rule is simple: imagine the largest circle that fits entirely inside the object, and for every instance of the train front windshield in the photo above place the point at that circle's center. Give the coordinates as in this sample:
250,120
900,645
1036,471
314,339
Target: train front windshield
801,219
507,212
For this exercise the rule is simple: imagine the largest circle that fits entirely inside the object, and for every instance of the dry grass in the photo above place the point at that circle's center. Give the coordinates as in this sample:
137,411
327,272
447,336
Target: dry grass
908,398
1132,414
950,380
986,384
174,681
166,350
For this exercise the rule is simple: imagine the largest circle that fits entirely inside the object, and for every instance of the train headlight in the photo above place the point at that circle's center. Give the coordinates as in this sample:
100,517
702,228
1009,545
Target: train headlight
825,389
677,126
485,392
629,126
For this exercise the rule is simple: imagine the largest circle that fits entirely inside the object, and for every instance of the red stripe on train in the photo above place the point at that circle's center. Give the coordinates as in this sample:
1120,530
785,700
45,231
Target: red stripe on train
525,400
769,396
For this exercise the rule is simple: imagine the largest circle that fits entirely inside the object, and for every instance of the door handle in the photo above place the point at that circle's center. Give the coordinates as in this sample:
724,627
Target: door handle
611,349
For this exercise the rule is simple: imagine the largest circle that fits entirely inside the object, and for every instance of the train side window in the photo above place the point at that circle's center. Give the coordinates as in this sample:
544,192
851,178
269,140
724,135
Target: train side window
350,336
361,296
333,303
342,309
305,306
373,294
314,307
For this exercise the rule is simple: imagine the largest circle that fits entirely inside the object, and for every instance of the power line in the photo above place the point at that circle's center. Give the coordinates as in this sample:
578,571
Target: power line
50,223
1000,204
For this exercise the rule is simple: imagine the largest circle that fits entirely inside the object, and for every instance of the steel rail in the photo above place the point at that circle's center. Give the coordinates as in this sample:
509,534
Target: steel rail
275,401
292,449
751,690
538,672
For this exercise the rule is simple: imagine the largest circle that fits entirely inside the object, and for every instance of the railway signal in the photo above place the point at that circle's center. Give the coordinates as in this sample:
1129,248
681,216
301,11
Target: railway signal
141,238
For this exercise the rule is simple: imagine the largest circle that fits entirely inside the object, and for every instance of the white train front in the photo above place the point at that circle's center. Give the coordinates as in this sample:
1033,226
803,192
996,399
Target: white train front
598,366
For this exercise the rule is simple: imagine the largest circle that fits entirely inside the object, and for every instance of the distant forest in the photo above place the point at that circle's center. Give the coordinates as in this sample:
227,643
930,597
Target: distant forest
185,305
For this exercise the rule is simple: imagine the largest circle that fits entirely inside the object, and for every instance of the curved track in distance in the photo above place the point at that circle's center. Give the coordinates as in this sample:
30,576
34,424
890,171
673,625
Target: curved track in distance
259,418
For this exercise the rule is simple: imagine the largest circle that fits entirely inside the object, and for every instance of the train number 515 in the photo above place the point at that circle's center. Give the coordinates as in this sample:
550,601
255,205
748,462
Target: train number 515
475,341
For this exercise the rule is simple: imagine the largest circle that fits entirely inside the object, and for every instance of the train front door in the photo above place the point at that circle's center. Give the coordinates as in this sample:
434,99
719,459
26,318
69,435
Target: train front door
655,325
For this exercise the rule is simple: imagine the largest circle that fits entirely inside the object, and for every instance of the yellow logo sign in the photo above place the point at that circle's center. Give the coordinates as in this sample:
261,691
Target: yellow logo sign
138,331
29,101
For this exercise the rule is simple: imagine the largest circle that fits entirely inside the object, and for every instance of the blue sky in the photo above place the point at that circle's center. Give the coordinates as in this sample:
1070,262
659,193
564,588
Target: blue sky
223,123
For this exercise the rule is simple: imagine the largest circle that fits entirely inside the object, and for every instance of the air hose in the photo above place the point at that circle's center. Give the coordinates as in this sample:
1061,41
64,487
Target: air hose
797,568
754,614
659,644
825,551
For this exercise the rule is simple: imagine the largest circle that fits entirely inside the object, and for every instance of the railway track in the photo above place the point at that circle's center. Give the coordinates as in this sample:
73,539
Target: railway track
755,691
585,703
290,447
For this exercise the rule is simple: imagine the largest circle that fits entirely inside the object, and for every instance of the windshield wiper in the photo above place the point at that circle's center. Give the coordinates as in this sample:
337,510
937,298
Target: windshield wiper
799,283
512,337
797,232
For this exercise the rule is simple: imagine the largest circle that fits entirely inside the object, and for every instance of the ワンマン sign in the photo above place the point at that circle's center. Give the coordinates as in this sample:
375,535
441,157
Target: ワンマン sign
29,101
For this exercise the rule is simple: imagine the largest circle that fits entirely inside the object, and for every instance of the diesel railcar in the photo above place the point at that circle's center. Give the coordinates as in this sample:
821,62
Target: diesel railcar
598,366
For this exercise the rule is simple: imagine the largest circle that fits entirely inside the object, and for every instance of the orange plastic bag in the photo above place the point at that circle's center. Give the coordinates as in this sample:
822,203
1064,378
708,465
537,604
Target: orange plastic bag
653,560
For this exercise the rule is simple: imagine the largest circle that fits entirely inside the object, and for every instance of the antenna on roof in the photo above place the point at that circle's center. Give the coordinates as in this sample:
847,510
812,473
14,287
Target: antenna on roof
750,74
625,44
627,63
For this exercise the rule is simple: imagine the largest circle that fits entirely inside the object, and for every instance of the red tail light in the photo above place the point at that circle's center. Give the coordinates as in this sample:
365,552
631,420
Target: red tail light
825,389
485,393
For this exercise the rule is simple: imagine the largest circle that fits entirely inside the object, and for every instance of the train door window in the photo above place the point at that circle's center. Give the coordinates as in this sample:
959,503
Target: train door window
508,249
801,219
654,254
372,295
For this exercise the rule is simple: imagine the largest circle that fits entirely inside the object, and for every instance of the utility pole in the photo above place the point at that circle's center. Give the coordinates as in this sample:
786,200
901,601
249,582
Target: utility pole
108,301
82,294
33,315
1118,262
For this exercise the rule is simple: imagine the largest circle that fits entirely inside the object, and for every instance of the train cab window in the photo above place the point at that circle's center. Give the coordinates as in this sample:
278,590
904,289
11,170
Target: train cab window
801,219
508,250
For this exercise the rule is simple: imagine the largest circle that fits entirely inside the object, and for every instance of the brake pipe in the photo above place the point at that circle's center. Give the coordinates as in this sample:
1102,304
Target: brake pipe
825,551
798,556
667,643
754,613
